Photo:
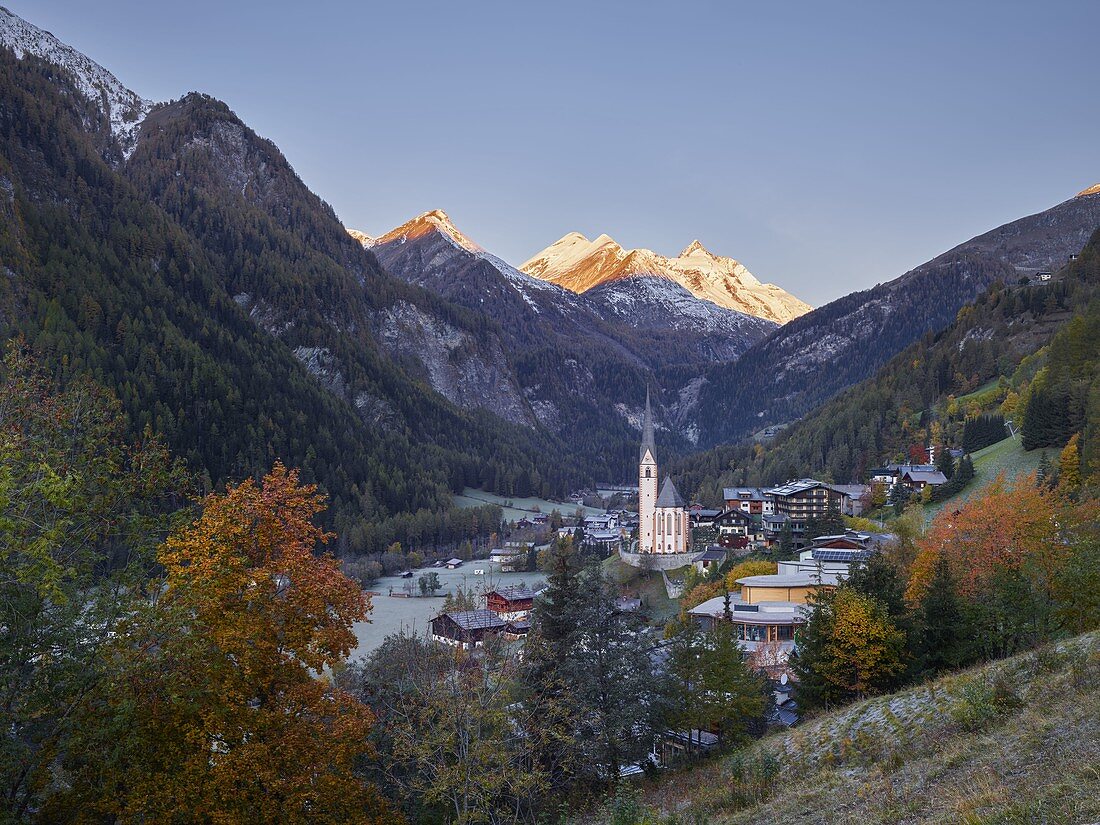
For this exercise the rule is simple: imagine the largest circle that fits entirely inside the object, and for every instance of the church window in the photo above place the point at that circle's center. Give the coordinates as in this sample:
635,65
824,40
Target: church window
648,473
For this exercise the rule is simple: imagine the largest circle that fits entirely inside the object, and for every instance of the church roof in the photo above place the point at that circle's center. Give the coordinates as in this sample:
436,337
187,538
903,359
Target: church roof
647,431
669,495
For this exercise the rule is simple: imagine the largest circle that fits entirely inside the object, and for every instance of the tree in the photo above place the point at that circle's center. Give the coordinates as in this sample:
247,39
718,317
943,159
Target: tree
994,531
943,632
682,687
429,583
829,524
751,567
733,698
447,730
583,658
460,600
848,649
82,508
1069,465
217,683
945,463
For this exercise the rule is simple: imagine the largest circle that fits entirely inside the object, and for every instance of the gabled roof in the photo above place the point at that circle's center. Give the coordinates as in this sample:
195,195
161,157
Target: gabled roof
669,495
794,487
514,593
742,493
925,476
476,619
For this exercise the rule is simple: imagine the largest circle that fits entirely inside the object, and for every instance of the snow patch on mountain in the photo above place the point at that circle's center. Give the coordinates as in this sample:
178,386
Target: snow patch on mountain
364,239
124,109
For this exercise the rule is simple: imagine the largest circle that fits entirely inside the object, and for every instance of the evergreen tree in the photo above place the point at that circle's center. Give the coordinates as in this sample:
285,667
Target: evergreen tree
733,697
945,463
943,632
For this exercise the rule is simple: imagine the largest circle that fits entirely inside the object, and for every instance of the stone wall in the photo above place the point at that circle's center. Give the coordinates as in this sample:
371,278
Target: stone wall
656,561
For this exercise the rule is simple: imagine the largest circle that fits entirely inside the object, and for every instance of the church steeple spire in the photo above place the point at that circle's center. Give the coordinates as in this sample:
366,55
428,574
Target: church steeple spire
647,430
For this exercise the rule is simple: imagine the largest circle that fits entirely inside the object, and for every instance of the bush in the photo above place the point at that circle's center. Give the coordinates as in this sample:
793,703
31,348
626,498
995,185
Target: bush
982,703
751,779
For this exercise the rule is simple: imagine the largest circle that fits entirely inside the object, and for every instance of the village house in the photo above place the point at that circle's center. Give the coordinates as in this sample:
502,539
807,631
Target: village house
511,603
607,521
853,497
509,558
710,559
751,500
890,474
769,609
917,480
467,629
796,503
453,564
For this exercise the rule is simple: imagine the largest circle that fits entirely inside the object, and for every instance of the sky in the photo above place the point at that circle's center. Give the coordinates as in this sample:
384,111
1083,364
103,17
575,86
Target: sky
827,146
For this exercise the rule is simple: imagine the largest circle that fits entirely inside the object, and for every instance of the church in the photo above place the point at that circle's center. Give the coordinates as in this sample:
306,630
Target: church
663,525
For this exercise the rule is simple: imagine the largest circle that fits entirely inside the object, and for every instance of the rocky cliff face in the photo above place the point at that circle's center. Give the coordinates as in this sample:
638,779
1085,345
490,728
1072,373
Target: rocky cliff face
453,361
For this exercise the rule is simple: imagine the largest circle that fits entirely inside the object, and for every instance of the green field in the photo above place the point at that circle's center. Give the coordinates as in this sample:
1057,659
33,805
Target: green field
1007,457
517,508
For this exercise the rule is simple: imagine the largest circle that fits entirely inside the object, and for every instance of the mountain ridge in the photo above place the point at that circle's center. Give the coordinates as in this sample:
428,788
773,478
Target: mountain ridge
579,264
806,362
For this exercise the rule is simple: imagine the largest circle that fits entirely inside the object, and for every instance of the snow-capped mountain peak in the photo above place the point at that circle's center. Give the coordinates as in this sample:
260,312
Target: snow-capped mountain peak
124,108
1092,190
696,248
435,220
579,265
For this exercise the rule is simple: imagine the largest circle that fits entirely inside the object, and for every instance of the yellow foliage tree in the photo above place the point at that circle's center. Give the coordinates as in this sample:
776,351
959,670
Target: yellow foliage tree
1069,465
754,567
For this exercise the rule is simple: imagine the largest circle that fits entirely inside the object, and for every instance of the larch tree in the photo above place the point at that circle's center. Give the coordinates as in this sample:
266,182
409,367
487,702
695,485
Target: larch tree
218,683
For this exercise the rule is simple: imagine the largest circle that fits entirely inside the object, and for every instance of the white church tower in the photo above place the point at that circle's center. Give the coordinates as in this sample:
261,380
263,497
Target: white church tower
647,482
663,525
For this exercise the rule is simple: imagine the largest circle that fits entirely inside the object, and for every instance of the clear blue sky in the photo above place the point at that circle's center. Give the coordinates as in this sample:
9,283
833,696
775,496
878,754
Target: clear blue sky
828,146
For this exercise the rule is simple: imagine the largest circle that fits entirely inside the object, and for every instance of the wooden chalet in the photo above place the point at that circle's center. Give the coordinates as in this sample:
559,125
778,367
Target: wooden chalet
467,628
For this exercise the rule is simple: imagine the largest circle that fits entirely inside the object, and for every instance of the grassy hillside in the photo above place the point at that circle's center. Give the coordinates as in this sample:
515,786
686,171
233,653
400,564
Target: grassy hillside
1007,457
1016,741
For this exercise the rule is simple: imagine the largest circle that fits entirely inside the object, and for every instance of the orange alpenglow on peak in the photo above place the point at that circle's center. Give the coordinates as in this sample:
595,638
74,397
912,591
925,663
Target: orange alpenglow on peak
1092,190
435,220
578,264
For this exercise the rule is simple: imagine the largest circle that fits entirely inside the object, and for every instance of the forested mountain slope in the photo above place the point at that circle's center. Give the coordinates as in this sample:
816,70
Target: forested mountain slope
140,280
810,359
1002,335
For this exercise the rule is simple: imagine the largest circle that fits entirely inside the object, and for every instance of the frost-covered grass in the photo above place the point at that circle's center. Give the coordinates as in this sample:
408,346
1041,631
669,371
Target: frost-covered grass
517,508
1016,741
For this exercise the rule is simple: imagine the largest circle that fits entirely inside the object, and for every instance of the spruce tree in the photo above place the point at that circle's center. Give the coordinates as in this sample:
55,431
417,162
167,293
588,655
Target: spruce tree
945,463
942,623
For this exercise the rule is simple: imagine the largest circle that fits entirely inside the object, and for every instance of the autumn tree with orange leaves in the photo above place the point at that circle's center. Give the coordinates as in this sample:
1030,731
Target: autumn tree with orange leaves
220,711
1007,552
